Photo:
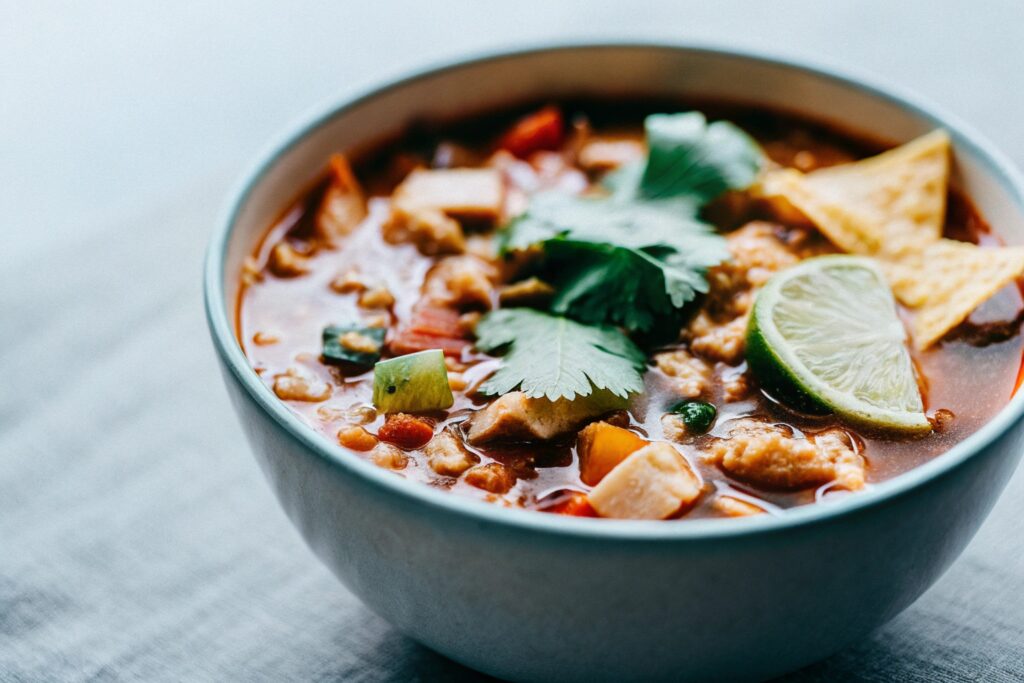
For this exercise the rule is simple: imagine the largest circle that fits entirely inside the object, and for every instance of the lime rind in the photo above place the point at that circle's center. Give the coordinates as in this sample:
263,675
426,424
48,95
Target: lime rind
824,336
412,383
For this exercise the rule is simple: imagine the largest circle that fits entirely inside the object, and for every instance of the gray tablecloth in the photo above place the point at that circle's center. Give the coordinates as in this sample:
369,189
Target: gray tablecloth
138,541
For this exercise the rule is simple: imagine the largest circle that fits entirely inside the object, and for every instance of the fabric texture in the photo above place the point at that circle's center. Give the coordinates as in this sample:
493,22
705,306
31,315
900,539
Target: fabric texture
138,541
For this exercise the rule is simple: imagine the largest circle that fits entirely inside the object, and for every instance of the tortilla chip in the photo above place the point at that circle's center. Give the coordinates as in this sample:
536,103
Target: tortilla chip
947,280
884,206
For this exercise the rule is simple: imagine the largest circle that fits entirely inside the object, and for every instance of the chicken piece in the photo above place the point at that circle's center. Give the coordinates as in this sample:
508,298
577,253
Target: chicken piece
343,206
691,376
606,154
731,506
493,477
430,230
769,455
652,483
447,456
515,416
295,385
473,194
461,281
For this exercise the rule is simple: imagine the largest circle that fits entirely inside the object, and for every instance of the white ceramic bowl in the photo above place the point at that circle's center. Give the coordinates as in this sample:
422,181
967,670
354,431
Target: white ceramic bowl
528,596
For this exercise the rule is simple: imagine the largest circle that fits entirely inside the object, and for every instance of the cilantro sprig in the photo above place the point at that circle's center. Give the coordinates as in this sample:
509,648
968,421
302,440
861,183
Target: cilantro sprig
631,259
555,357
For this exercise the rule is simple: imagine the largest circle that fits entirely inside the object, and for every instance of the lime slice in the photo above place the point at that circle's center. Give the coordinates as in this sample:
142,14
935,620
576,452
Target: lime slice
412,383
824,337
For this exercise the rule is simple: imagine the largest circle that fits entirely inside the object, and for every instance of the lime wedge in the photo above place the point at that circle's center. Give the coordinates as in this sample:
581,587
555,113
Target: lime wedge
824,337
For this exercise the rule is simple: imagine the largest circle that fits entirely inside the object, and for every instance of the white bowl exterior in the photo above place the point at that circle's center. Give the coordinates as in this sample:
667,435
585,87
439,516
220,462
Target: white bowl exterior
538,606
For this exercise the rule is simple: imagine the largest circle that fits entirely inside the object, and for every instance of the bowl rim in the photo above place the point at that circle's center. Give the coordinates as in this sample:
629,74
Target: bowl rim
413,492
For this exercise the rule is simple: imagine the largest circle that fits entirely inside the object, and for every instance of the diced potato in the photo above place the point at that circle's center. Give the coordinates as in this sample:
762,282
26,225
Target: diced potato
514,416
601,447
652,483
343,206
447,456
462,193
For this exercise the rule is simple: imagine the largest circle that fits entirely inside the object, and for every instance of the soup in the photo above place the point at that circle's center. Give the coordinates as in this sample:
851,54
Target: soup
589,309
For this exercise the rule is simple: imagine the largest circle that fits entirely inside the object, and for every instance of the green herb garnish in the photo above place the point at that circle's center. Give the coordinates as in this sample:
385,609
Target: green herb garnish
554,357
636,257
698,416
689,160
353,344
631,264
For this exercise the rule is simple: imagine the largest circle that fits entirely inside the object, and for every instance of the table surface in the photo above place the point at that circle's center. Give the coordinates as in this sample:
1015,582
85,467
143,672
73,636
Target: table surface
137,538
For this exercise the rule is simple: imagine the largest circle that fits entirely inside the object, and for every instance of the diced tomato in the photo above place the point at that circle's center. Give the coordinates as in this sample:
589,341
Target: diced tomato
431,327
406,431
408,341
575,504
543,129
436,320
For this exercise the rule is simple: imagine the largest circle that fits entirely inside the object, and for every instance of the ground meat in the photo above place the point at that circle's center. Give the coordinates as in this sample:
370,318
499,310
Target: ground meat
285,261
759,251
493,477
770,455
389,457
723,342
461,281
735,386
691,376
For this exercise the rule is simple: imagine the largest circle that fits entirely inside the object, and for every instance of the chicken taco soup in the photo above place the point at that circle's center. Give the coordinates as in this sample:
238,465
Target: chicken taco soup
636,310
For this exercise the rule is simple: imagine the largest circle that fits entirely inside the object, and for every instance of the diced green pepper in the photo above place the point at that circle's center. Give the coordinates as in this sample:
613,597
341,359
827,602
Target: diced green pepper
353,344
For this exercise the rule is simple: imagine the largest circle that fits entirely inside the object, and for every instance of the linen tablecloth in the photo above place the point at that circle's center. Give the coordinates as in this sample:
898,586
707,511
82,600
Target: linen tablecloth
138,541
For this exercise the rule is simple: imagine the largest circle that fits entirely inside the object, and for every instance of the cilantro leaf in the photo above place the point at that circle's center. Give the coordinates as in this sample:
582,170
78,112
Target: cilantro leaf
689,160
556,358
626,263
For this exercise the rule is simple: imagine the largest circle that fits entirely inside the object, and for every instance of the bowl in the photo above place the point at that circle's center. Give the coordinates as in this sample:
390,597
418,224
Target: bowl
533,597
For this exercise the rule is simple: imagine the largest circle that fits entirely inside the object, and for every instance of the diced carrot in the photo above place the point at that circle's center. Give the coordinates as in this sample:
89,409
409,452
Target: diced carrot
575,504
543,129
601,447
406,431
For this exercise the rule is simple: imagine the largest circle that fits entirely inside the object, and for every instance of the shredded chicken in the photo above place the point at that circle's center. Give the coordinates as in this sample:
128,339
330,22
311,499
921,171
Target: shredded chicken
691,376
770,455
447,456
343,206
514,416
461,281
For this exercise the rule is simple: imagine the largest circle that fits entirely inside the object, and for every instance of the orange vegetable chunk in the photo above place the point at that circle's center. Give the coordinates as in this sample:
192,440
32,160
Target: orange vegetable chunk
601,447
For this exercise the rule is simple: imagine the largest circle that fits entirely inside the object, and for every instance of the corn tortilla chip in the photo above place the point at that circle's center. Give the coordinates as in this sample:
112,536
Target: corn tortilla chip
892,207
947,280
884,206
